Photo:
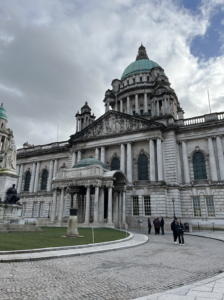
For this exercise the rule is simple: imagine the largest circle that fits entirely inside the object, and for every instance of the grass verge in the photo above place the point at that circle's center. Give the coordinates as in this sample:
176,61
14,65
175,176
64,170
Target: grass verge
52,237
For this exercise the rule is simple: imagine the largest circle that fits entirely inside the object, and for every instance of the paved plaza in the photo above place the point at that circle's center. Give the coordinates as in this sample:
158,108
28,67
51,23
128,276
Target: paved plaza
154,267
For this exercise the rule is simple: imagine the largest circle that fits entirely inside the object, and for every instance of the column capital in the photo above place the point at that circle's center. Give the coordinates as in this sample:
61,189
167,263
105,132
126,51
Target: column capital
151,139
219,135
131,143
159,138
210,137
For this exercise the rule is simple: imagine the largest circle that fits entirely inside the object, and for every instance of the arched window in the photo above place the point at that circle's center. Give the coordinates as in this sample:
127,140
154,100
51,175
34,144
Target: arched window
115,164
143,167
44,180
199,166
27,182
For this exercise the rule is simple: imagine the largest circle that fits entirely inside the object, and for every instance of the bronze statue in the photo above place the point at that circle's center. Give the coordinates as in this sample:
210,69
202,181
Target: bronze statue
11,196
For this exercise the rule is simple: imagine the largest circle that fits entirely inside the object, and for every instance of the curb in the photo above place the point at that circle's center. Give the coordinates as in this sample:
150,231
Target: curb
206,237
69,254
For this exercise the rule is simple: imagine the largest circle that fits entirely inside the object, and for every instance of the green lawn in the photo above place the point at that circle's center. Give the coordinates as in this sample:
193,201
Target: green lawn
52,237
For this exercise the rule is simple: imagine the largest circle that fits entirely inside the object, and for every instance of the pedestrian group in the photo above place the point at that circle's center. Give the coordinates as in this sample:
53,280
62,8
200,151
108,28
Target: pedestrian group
176,226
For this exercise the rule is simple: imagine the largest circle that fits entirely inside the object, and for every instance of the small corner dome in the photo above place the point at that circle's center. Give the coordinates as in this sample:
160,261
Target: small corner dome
3,113
89,162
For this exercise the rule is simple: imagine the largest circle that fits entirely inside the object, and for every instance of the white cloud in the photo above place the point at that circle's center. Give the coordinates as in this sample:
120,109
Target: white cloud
67,52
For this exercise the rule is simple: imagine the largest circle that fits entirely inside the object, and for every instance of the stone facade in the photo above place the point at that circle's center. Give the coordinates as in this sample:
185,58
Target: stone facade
143,120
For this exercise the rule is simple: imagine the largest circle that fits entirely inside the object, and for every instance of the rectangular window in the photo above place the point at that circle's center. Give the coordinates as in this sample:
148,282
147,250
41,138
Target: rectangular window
140,78
35,212
133,80
42,209
149,112
147,78
128,82
135,206
196,206
24,209
210,206
147,205
141,112
133,112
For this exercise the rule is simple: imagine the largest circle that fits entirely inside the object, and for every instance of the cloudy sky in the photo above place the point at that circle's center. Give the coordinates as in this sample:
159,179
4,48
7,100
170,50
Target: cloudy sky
57,54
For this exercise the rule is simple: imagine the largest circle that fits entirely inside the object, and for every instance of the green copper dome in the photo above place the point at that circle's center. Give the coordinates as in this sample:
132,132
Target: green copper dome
2,113
89,162
139,66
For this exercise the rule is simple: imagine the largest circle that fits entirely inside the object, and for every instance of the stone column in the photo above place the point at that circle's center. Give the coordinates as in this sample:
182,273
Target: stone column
97,153
54,206
61,206
108,106
32,177
17,169
19,189
152,160
37,177
159,159
77,125
128,106
55,167
96,205
157,107
185,162
101,205
220,156
79,155
168,108
212,160
145,104
73,158
129,162
50,175
105,108
136,104
123,208
109,215
121,105
87,213
120,207
122,158
163,106
116,211
102,154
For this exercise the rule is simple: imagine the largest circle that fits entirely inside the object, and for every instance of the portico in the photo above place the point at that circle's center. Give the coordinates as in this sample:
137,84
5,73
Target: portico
97,193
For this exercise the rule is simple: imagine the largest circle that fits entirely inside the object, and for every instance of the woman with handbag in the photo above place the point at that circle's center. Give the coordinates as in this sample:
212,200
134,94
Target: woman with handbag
180,232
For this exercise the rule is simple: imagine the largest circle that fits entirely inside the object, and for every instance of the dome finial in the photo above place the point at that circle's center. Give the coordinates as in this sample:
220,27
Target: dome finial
142,54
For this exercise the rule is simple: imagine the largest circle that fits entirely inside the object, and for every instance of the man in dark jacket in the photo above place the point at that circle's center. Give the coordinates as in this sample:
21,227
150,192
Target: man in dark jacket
154,223
149,226
173,228
157,223
180,232
162,225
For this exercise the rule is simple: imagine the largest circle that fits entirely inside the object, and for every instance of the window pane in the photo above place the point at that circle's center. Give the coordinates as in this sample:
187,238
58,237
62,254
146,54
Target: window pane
140,78
27,182
115,164
41,209
141,112
35,209
143,167
199,166
133,80
147,205
135,206
149,112
196,206
210,206
44,180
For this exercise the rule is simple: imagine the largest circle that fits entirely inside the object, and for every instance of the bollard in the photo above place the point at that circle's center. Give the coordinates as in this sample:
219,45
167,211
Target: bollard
213,226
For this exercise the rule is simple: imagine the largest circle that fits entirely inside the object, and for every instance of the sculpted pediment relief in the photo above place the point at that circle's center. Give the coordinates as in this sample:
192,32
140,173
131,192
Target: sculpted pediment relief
114,123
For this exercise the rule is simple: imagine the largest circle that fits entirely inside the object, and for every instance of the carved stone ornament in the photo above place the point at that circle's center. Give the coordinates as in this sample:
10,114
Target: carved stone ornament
114,123
197,149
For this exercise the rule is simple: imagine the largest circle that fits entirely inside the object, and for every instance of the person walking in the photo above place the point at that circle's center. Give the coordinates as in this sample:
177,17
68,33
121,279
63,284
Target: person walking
154,223
149,226
162,225
180,232
173,228
157,226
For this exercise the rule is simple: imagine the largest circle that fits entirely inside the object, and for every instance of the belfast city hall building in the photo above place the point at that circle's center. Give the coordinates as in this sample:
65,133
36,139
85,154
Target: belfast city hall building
141,159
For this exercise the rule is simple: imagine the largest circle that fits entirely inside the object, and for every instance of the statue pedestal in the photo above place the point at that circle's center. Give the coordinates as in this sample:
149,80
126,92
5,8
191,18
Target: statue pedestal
72,230
7,179
11,214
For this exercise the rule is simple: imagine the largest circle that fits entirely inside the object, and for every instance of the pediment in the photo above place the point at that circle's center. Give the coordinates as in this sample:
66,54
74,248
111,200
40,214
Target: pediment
115,123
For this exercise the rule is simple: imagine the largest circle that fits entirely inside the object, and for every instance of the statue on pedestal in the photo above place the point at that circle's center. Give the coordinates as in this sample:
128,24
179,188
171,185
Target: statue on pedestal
11,196
9,158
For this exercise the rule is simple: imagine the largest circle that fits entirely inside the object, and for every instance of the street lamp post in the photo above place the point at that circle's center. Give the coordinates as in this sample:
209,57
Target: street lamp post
173,208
